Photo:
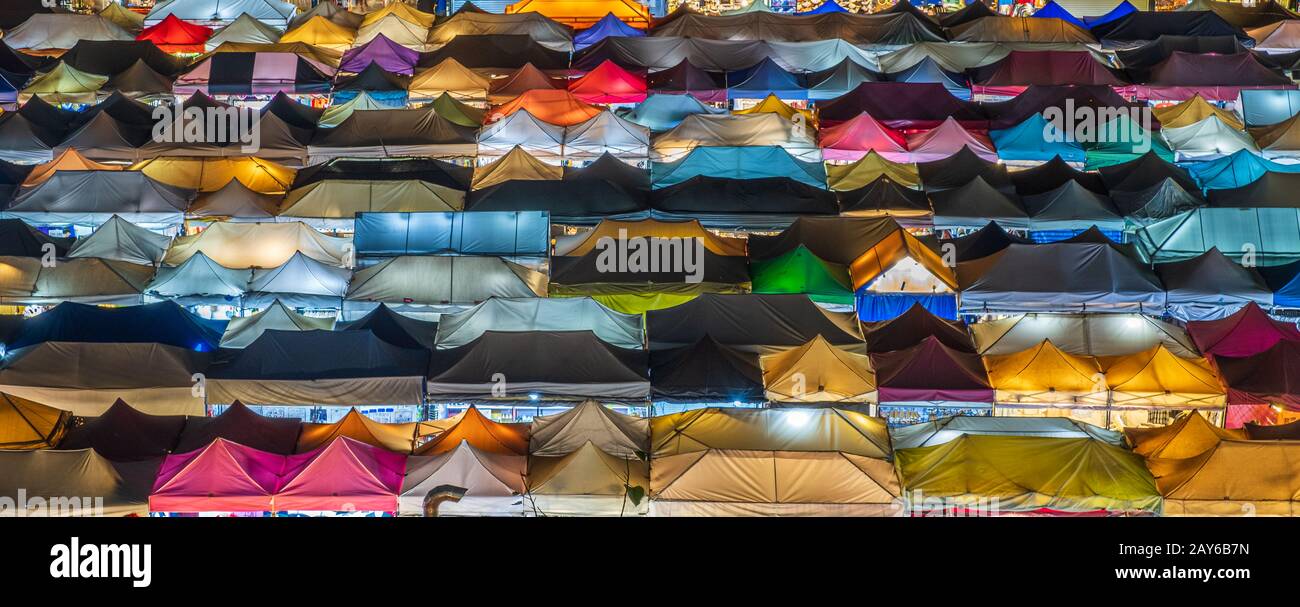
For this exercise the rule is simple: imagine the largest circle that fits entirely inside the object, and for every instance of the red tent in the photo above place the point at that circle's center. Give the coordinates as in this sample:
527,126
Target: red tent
1020,69
853,139
1257,383
345,475
176,36
948,139
929,372
221,477
609,83
1247,332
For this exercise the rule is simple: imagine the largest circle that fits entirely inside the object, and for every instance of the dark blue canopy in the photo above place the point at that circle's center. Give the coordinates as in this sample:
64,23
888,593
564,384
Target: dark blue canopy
163,323
1123,9
829,6
1052,10
609,25
763,79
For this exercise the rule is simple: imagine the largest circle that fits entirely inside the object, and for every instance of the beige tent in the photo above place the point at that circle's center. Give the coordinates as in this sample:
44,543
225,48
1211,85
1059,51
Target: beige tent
87,378
26,424
517,164
260,245
120,240
1193,111
1158,378
1232,478
18,277
243,330
818,372
344,198
845,177
422,280
92,281
773,462
403,11
410,35
67,160
494,482
213,174
752,130
1046,375
452,78
123,17
587,482
1081,334
1188,436
584,243
612,433
64,84
75,483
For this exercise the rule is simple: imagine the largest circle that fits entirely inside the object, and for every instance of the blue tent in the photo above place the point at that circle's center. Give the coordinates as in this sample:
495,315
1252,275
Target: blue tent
442,233
929,70
609,25
9,85
663,111
766,78
1118,12
829,6
1234,171
1284,281
163,323
1052,10
1028,141
752,162
1263,107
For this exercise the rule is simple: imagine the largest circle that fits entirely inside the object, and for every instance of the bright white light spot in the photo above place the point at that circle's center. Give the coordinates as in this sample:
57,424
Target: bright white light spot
797,418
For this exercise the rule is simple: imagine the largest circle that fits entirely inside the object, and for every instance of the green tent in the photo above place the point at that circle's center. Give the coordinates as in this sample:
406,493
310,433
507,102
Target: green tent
800,271
1121,140
457,111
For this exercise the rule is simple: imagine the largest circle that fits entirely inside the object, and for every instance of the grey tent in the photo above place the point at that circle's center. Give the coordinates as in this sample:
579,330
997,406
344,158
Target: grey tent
1211,286
121,240
200,280
1058,277
87,378
300,282
947,429
422,280
540,314
614,433
94,197
1081,334
244,330
77,483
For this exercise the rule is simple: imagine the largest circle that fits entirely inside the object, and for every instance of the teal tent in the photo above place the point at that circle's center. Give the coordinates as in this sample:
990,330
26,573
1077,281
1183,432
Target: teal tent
1236,170
1035,139
1271,234
1121,140
751,162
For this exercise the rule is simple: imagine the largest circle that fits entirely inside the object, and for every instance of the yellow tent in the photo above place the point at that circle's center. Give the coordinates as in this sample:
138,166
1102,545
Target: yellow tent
26,425
818,372
450,77
64,84
845,177
1047,375
1024,474
1193,111
1188,436
588,482
638,303
1158,378
582,14
585,243
788,462
773,105
394,437
899,263
517,164
205,174
321,32
1232,478
68,160
404,12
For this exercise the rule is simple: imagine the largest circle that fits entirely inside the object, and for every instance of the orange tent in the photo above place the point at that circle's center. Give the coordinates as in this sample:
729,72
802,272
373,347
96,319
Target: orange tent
69,160
557,107
481,433
582,14
393,437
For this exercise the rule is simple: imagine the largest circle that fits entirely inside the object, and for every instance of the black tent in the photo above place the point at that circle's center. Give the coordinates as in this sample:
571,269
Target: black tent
1159,201
1272,189
14,12
112,57
607,186
124,434
140,80
318,355
982,242
588,270
884,196
1144,25
1139,60
163,323
49,119
975,203
903,105
762,202
913,327
1143,172
684,77
429,170
840,240
18,63
589,367
501,51
1071,206
960,169
1246,17
373,78
18,239
21,140
241,425
1035,99
294,114
972,11
750,322
705,371
1051,175
397,329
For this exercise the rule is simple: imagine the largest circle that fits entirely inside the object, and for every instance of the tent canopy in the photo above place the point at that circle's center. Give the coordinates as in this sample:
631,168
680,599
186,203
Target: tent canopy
705,371
750,322
540,314
27,425
593,368
945,430
614,433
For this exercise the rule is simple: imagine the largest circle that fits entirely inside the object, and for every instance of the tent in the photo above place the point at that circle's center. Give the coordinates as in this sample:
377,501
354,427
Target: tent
1188,436
1071,206
271,12
1046,375
301,281
1281,140
945,430
61,31
1147,170
173,35
64,85
124,433
474,428
662,112
1213,77
1259,382
869,168
162,323
745,204
1192,111
1020,69
607,26
588,242
18,239
930,372
911,328
1151,25
1244,172
750,322
1282,281
1275,432
392,132
1053,10
519,315
607,186
344,475
336,113
1065,277
589,423
1161,201
1019,29
588,482
705,371
607,134
334,202
888,29
245,329
884,196
397,438
544,31
410,35
120,488
1255,15
609,83
817,372
1210,286
318,367
141,82
112,57
199,280
388,55
838,79
221,476
593,369
520,81
974,204
497,51
1246,332
1230,228
1213,484
482,233
756,462
861,135
244,29
449,77
94,197
1207,139
744,162
968,13
397,329
1101,335
1160,378
1026,474
913,105
254,73
765,78
687,80
120,240
92,281
1280,35
212,174
67,160
553,106
947,139
493,482
122,17
258,245
801,271
418,280
240,425
517,164
26,425
1029,141
319,31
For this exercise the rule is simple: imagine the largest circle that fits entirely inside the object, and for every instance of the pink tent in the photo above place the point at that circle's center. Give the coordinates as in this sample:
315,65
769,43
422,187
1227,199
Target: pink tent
222,477
344,475
609,83
1258,382
1247,332
852,140
948,139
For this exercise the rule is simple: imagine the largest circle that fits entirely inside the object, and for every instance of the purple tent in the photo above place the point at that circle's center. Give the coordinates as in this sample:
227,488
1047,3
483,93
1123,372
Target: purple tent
609,25
390,55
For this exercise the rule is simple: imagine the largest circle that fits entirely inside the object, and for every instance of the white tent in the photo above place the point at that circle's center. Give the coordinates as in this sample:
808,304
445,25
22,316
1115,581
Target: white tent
607,133
271,12
541,314
261,245
1081,334
243,330
1206,140
494,482
301,282
200,280
613,433
245,29
539,138
50,31
121,240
